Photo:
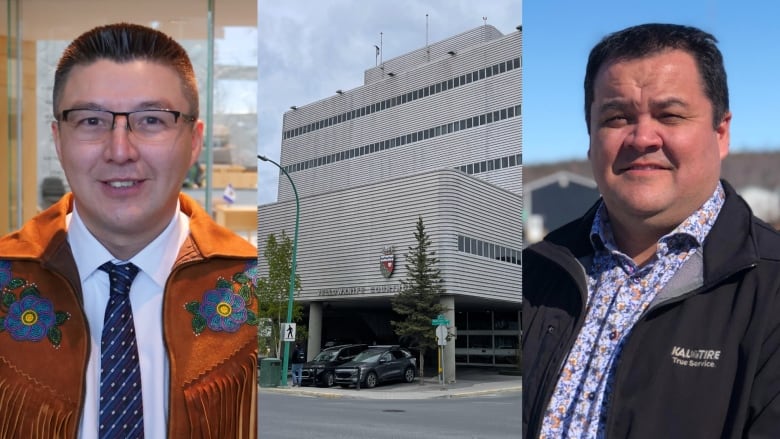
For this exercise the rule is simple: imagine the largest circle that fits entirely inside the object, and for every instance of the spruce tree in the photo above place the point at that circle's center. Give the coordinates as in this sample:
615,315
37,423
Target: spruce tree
418,302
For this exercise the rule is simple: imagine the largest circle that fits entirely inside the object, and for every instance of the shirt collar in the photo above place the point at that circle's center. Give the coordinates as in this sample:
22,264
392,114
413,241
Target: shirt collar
156,259
696,226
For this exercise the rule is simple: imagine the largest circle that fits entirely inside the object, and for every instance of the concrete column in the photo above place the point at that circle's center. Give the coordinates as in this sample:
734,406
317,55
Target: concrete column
448,357
315,330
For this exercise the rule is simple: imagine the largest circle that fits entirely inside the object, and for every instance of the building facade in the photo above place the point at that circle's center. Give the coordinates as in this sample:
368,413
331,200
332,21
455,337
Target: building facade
434,133
554,200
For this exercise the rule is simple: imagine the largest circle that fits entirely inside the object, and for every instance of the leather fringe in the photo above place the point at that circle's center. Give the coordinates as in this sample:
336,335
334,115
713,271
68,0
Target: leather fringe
224,407
28,413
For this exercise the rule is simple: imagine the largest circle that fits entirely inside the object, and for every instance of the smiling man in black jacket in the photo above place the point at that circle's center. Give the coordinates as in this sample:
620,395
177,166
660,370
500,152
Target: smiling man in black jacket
657,314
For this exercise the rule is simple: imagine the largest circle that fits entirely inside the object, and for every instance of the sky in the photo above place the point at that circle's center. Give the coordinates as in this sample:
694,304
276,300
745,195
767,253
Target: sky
558,35
309,49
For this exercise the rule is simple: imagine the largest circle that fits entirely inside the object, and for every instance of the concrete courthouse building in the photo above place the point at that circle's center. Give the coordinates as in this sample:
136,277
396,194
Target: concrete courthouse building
434,133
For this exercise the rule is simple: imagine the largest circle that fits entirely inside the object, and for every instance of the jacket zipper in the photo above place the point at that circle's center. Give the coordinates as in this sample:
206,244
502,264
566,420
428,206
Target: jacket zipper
549,394
570,343
611,411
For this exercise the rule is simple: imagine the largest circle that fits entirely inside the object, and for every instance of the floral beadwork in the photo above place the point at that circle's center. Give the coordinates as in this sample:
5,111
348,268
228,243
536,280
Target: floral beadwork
223,310
226,307
30,317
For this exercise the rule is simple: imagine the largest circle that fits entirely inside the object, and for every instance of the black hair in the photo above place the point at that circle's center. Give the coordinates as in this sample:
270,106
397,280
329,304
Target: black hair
125,42
649,39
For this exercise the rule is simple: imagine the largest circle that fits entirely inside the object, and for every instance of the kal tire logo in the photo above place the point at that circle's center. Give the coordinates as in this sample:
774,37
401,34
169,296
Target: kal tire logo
387,261
695,357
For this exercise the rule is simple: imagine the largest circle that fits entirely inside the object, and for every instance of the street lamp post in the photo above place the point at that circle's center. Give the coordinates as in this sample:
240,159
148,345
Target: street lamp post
292,268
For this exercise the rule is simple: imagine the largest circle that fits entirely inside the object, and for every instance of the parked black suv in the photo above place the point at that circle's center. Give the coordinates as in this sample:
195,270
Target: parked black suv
377,364
319,371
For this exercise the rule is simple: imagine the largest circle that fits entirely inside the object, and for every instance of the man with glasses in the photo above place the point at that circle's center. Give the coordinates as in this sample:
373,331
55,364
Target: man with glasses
126,311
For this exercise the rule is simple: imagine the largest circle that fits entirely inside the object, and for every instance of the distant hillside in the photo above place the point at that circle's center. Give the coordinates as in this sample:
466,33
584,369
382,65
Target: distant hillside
743,169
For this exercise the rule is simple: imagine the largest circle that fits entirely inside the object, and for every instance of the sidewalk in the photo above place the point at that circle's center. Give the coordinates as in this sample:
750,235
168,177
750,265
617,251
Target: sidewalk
469,382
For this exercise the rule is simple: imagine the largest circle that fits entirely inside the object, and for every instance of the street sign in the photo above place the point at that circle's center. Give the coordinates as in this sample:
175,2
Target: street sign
441,319
288,331
441,335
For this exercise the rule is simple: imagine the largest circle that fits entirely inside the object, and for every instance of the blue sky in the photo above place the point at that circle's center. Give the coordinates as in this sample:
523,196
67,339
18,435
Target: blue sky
558,35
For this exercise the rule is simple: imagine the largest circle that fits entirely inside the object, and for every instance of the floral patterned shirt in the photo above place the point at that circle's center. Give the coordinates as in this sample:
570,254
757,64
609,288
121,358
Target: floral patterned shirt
619,292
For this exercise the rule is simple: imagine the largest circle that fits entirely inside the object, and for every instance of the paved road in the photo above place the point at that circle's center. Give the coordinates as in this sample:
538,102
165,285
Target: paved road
284,416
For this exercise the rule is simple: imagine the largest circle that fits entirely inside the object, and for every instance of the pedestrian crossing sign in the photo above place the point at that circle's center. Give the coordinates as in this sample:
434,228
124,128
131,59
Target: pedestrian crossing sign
288,331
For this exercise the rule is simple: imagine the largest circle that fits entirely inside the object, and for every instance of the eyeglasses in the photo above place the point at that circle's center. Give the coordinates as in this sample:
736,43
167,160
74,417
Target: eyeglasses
152,126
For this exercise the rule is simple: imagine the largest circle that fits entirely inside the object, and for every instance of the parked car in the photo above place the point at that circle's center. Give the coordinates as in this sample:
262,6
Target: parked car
320,370
377,364
339,341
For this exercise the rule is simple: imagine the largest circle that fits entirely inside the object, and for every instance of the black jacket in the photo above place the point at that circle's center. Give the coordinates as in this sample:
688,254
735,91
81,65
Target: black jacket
298,356
702,362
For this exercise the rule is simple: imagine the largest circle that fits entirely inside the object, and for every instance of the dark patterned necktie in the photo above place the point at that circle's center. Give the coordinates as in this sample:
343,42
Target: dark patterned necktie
121,405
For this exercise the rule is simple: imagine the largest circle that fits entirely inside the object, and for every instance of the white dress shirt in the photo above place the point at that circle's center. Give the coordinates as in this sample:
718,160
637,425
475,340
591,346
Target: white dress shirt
155,262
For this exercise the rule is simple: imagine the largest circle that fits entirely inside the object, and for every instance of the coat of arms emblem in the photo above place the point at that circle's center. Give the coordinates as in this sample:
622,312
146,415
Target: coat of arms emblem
387,261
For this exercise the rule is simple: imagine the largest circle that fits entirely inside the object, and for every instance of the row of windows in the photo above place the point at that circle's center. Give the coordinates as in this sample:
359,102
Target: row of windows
418,136
407,97
488,250
492,164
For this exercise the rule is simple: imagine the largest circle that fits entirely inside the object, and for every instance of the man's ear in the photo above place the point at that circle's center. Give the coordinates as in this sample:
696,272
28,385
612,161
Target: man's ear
197,141
55,134
723,133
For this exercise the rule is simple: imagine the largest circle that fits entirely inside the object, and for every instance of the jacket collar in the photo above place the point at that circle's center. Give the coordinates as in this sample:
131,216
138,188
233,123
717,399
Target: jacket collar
44,237
731,244
208,239
729,247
